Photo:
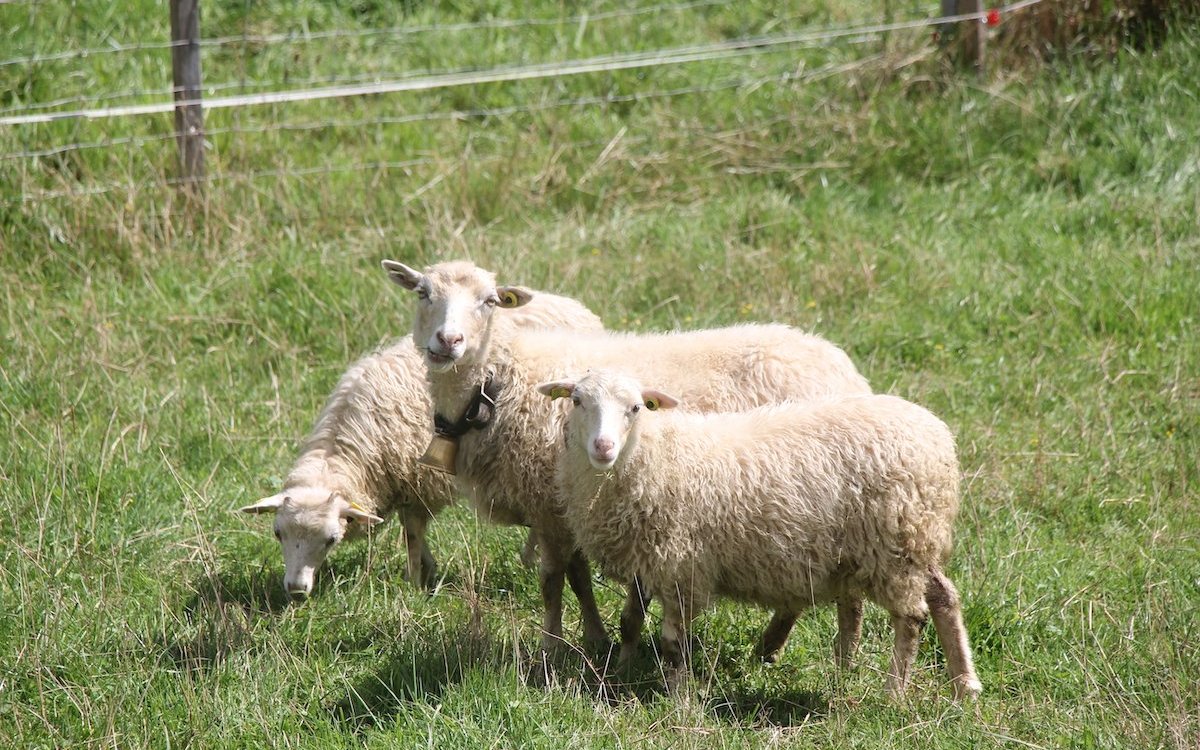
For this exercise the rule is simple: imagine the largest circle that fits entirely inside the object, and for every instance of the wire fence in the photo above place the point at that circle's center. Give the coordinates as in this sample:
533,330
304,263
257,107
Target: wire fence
20,120
305,37
463,114
392,31
359,123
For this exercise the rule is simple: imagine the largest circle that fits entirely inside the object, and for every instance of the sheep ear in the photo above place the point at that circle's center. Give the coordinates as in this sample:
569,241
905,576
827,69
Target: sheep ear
266,505
352,511
557,389
401,274
655,400
513,296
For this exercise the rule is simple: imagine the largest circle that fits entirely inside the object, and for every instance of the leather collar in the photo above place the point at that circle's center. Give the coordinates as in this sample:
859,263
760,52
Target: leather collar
476,416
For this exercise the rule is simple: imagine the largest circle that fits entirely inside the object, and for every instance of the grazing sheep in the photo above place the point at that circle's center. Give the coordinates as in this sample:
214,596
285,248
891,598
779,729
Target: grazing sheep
359,464
785,506
506,467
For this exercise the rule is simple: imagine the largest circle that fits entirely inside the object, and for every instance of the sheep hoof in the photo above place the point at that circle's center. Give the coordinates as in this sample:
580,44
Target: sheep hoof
626,658
430,580
967,689
540,670
678,684
599,646
895,690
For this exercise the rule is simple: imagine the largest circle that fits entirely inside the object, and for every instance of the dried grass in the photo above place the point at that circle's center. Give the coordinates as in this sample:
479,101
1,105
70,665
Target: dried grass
1102,27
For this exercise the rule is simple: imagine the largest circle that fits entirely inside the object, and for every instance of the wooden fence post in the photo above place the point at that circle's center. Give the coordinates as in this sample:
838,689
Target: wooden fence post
973,36
185,69
970,37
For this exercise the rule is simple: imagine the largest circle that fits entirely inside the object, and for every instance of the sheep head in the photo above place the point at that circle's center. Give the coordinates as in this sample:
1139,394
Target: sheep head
452,325
309,522
606,410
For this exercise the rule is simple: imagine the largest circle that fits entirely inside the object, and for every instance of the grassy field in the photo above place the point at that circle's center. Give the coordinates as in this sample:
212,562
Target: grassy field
1022,255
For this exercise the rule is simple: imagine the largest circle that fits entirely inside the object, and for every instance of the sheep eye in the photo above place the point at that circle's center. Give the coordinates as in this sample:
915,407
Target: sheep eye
278,535
329,541
422,293
575,400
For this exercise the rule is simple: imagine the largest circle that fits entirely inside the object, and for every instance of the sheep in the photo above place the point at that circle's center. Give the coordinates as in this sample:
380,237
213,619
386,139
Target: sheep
506,468
784,506
359,463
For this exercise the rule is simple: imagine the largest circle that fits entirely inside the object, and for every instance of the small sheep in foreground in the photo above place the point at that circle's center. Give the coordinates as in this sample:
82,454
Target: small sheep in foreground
359,463
783,506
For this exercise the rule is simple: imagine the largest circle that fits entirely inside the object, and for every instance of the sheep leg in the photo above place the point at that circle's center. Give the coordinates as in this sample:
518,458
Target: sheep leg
429,569
946,610
633,616
904,652
676,645
580,577
776,634
422,570
850,617
529,552
551,574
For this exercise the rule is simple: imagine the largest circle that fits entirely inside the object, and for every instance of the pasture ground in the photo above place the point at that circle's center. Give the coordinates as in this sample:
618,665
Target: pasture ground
1021,255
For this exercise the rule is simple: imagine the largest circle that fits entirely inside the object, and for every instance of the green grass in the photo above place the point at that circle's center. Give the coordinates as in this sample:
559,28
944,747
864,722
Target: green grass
1022,255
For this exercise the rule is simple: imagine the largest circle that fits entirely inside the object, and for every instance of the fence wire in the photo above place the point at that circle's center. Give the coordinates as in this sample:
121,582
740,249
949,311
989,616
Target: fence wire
429,116
603,63
242,84
325,170
301,37
600,64
706,52
129,187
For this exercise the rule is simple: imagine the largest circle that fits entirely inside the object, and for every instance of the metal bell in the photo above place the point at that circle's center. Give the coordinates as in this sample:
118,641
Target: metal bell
440,454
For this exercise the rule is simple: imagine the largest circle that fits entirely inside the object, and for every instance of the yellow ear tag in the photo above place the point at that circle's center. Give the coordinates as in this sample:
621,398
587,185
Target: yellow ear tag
509,299
652,404
559,392
356,506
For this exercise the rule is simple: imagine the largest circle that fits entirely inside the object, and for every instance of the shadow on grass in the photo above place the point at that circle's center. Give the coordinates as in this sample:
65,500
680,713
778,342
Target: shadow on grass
755,707
726,697
420,671
217,618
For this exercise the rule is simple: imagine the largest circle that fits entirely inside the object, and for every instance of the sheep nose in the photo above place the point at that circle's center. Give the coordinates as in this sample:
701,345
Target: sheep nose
603,446
448,340
297,589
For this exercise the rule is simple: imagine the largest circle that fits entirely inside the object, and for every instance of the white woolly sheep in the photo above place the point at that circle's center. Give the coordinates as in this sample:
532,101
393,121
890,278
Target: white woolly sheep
506,468
785,506
359,463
